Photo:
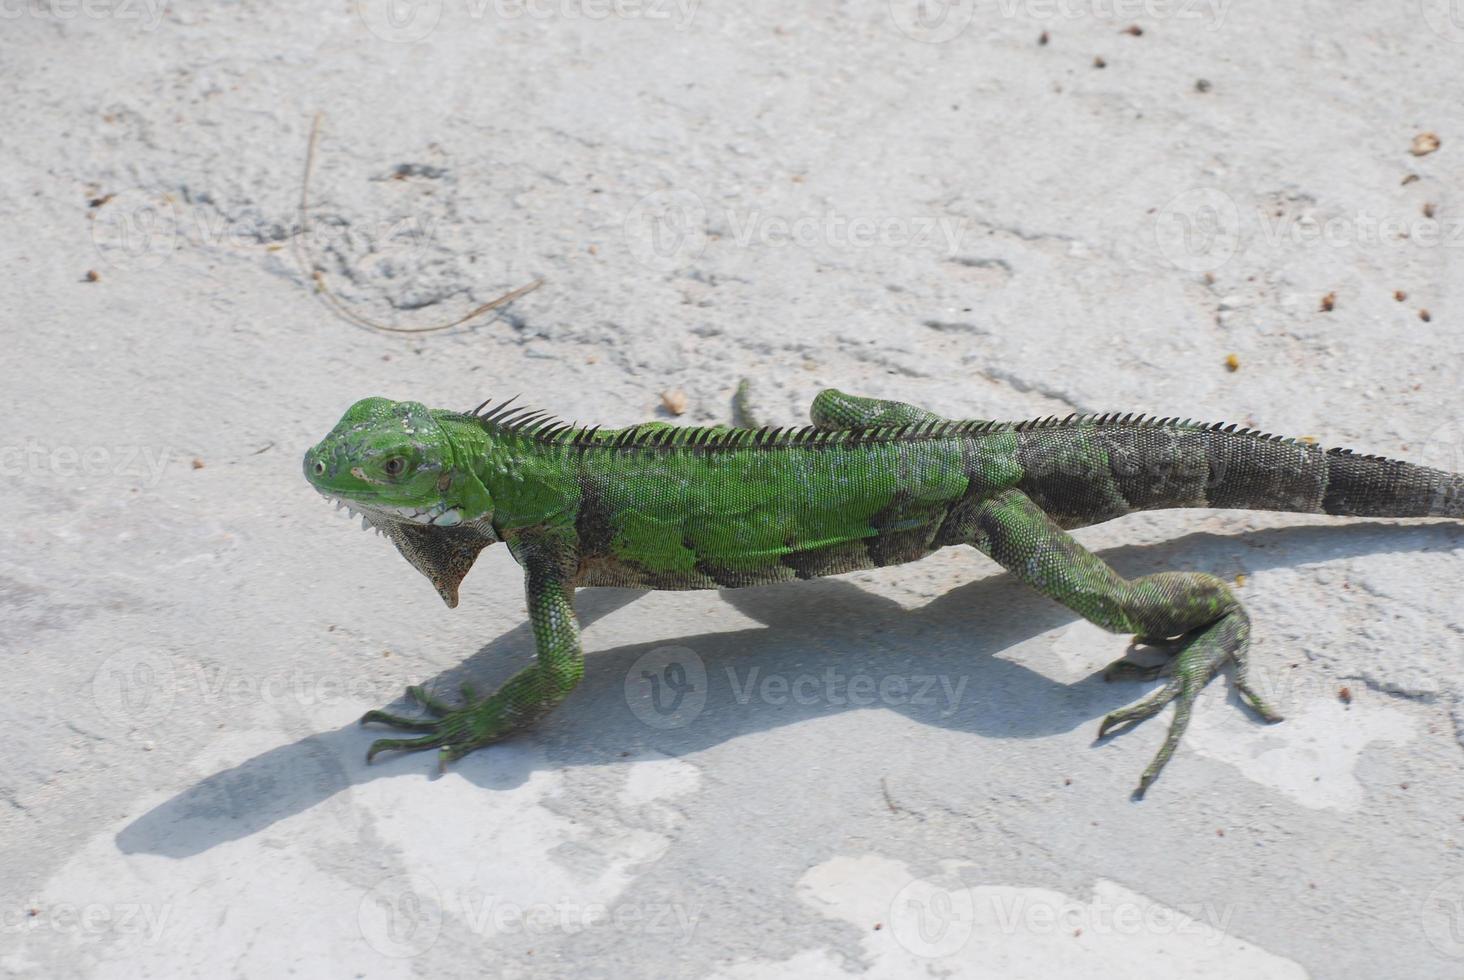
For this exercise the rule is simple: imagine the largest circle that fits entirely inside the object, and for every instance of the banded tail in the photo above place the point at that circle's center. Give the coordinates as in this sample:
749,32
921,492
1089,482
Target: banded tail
1090,469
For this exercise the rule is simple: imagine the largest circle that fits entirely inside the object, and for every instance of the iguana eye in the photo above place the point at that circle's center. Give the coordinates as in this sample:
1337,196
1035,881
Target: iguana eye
395,466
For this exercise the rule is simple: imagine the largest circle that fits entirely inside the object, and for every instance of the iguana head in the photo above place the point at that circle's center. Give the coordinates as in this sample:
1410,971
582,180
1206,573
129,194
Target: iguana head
396,463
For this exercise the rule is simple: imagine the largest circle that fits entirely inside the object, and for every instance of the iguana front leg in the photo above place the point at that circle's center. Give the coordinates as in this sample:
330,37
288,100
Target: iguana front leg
531,693
1197,607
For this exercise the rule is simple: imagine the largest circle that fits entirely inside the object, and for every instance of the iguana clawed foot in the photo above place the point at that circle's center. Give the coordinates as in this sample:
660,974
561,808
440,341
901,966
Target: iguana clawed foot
454,732
1202,653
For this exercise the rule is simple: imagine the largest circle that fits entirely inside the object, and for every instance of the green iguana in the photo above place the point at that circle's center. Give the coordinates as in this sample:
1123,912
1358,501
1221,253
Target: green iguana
869,483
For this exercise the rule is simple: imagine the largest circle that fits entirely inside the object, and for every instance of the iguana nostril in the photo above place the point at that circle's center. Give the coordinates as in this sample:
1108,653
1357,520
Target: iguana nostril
319,468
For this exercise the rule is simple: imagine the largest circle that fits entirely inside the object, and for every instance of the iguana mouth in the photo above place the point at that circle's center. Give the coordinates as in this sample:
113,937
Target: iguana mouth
373,515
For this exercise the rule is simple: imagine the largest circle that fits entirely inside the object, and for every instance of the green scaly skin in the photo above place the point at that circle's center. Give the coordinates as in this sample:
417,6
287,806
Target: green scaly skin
870,483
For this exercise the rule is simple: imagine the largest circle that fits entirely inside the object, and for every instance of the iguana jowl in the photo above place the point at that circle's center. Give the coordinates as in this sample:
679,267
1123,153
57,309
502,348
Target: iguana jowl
870,483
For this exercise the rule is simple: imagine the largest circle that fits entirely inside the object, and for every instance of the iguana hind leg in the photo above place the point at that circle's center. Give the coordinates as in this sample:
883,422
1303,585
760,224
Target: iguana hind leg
1199,608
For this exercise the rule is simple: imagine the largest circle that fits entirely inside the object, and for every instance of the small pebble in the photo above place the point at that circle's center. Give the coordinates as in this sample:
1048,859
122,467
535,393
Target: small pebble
1424,144
674,401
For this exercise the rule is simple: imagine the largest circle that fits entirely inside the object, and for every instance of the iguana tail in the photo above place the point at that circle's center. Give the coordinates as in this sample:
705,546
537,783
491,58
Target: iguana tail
1085,470
1374,486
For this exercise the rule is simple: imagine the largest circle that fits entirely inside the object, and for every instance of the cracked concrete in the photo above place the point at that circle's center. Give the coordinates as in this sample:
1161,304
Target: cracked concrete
889,774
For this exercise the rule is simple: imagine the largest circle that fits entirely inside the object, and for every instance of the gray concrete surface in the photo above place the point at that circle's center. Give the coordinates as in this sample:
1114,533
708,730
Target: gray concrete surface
889,774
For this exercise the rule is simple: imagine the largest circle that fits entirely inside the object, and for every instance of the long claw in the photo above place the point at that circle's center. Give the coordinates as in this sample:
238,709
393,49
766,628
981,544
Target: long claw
1257,703
1143,710
404,744
398,721
1182,708
453,731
